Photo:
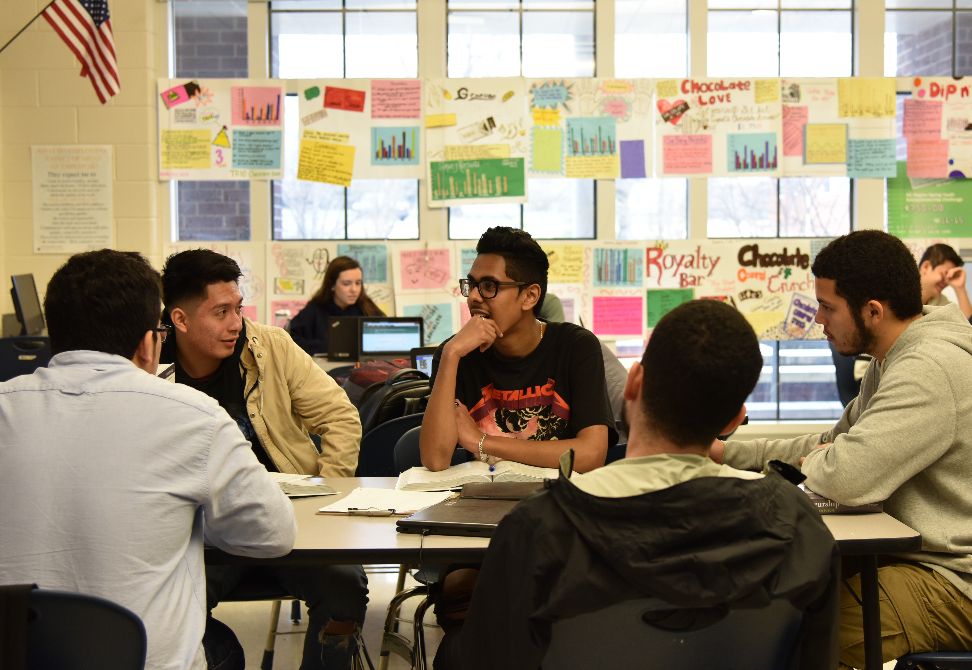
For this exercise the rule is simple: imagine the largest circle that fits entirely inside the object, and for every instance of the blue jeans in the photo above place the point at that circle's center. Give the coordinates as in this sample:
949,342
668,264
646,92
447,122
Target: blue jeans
332,593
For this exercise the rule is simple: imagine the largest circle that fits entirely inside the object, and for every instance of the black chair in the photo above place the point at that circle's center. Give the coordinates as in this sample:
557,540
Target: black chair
630,632
407,454
404,392
376,455
936,660
71,631
615,453
23,355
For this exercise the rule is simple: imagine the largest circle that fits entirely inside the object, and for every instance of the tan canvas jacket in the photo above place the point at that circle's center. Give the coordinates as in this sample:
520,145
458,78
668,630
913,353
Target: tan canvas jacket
287,395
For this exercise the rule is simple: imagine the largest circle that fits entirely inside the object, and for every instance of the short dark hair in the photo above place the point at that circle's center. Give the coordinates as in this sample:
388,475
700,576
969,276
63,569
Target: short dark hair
701,363
525,260
187,275
102,301
872,265
937,254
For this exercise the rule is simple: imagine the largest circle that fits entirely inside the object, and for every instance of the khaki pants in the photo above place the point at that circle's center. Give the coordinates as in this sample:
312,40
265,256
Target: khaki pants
920,611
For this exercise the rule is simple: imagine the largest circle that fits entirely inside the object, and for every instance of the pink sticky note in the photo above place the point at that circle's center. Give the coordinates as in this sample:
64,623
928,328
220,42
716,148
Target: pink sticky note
396,98
425,268
923,119
618,315
927,159
794,119
687,154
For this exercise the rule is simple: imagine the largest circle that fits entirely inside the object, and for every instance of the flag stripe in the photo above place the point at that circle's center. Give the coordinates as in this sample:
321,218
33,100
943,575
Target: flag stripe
92,43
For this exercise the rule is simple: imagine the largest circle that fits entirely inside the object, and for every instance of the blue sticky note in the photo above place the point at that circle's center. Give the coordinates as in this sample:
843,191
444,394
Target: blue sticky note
632,159
871,158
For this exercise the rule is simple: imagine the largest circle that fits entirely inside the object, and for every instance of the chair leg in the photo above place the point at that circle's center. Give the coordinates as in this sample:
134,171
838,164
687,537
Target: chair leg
392,640
267,662
421,662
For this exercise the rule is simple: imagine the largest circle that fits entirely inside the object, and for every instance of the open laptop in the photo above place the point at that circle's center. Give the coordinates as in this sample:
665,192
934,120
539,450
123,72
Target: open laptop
422,359
342,338
388,337
477,517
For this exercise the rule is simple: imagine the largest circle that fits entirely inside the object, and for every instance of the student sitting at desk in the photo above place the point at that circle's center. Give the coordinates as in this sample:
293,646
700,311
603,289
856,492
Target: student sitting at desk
664,522
905,440
110,476
341,294
940,266
275,392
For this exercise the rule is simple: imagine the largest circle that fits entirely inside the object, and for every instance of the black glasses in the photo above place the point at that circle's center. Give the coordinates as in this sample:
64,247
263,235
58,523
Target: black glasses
488,288
163,330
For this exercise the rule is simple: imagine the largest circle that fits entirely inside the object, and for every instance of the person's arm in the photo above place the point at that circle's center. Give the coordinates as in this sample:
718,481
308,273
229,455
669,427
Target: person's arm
246,513
956,279
440,432
324,408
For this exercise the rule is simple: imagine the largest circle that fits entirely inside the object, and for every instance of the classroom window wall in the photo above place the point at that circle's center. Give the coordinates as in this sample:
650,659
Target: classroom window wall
528,38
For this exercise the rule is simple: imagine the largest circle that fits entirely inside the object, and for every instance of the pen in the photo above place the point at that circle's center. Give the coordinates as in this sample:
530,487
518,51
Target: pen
492,467
370,511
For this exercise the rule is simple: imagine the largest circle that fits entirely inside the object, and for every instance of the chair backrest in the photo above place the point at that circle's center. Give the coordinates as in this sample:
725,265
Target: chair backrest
623,635
23,355
376,455
72,631
408,455
405,392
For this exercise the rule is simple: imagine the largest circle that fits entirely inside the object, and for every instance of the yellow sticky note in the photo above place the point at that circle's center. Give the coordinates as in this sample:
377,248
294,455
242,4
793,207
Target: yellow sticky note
185,150
868,97
767,90
473,152
440,120
825,143
617,86
566,263
325,162
667,88
546,117
593,167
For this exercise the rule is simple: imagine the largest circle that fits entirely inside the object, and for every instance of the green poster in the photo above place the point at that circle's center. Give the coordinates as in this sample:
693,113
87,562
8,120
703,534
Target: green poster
662,301
929,207
484,178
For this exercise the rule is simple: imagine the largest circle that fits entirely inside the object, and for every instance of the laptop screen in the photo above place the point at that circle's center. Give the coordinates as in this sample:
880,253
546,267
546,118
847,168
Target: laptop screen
422,359
390,335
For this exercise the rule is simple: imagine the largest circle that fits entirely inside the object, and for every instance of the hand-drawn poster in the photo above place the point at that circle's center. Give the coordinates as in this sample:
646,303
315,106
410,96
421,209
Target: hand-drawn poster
214,129
438,318
769,281
819,142
589,128
477,138
252,262
373,259
424,269
372,129
938,128
718,127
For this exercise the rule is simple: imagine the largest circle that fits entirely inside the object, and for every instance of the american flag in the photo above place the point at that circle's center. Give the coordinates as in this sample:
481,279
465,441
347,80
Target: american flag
85,27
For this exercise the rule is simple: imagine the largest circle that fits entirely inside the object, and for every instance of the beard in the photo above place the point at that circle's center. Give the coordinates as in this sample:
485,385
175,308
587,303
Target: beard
861,340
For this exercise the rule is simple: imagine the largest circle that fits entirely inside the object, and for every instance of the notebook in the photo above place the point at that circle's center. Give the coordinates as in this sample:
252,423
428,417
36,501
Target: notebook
477,517
420,479
388,337
828,506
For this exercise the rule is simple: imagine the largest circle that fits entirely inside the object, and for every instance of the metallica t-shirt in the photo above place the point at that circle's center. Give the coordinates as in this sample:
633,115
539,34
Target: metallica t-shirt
550,394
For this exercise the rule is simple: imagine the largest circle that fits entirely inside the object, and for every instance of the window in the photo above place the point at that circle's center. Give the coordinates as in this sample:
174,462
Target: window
528,38
651,40
331,39
929,37
210,41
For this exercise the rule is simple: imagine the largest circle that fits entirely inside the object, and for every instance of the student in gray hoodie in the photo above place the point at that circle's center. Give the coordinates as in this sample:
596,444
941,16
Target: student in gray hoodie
905,440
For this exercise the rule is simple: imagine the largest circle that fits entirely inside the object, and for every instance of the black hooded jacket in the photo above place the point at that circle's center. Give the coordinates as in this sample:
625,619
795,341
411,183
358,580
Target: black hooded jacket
703,543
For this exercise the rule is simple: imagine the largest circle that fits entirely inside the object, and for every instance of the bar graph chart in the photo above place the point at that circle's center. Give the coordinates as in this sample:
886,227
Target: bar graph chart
485,178
752,152
618,267
256,105
395,145
595,136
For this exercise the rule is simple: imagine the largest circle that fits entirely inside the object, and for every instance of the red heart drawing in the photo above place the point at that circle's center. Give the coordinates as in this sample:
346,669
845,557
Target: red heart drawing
672,111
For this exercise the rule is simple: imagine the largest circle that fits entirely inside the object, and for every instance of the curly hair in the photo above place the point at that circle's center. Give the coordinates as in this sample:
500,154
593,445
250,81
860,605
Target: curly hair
525,260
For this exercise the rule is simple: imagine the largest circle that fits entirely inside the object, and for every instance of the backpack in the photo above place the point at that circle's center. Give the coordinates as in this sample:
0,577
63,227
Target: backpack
403,392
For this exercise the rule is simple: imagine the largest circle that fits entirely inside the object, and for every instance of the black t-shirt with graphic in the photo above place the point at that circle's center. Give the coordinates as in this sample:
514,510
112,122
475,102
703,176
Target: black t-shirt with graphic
226,387
550,394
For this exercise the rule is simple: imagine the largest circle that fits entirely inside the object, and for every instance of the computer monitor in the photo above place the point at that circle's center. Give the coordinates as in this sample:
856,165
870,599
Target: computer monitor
27,304
422,359
385,336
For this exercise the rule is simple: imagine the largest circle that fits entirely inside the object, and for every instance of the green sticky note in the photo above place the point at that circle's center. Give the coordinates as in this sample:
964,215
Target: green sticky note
548,150
663,300
311,93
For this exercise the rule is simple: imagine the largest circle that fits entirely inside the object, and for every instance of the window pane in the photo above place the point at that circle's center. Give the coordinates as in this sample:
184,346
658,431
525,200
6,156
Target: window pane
383,208
306,5
381,45
917,4
963,48
558,4
380,4
814,206
816,4
762,402
742,207
651,39
305,45
808,383
558,44
483,4
742,4
469,222
210,41
743,44
484,45
651,209
918,43
560,208
802,35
